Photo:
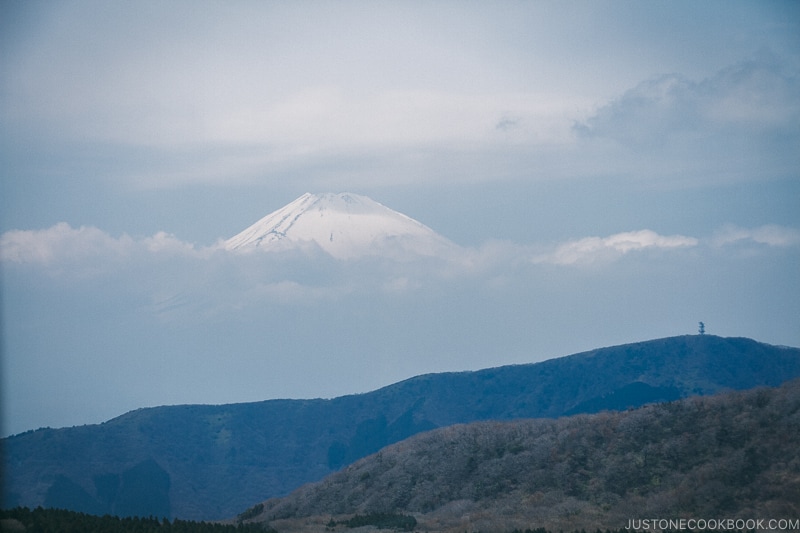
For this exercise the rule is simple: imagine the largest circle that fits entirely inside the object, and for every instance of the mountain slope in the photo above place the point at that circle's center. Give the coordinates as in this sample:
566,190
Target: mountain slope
345,226
210,462
733,455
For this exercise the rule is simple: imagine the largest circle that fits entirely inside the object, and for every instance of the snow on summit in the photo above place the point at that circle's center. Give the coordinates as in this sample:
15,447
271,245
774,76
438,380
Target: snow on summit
344,225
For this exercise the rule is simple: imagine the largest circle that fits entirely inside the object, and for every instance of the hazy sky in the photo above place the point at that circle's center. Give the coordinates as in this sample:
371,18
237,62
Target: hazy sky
615,171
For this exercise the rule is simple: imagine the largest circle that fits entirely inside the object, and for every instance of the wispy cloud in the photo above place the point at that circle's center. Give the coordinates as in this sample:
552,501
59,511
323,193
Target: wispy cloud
770,235
594,249
754,98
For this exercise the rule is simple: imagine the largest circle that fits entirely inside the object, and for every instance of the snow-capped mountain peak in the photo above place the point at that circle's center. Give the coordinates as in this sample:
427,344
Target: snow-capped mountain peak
344,225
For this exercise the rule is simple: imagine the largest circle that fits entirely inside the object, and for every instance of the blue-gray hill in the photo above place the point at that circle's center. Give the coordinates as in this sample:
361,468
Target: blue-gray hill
206,462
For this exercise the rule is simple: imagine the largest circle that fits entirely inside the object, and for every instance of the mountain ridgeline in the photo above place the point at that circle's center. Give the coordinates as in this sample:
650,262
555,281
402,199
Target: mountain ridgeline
203,462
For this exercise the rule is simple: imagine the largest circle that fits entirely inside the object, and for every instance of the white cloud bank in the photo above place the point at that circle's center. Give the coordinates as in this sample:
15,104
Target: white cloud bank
178,282
62,246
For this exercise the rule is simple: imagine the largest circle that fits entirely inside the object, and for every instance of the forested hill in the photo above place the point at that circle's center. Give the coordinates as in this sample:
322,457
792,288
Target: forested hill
204,462
732,455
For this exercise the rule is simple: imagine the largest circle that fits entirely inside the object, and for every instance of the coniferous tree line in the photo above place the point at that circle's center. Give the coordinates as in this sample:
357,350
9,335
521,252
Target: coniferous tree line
42,520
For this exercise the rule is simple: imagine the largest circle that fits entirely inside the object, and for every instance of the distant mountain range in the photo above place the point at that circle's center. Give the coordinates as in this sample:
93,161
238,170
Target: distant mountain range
211,462
345,226
730,456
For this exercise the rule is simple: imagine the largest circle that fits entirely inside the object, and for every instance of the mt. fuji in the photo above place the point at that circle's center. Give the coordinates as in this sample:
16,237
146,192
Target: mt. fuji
345,225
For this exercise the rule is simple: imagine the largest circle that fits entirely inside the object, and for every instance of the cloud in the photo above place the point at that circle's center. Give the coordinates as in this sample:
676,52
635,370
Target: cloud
282,95
272,76
769,235
756,98
61,245
163,242
591,250
594,249
217,279
178,281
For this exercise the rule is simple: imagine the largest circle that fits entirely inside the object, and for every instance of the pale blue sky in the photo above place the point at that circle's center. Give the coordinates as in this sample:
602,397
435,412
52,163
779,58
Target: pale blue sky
532,133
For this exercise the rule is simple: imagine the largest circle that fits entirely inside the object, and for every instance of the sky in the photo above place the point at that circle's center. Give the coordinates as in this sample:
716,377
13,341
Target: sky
612,171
